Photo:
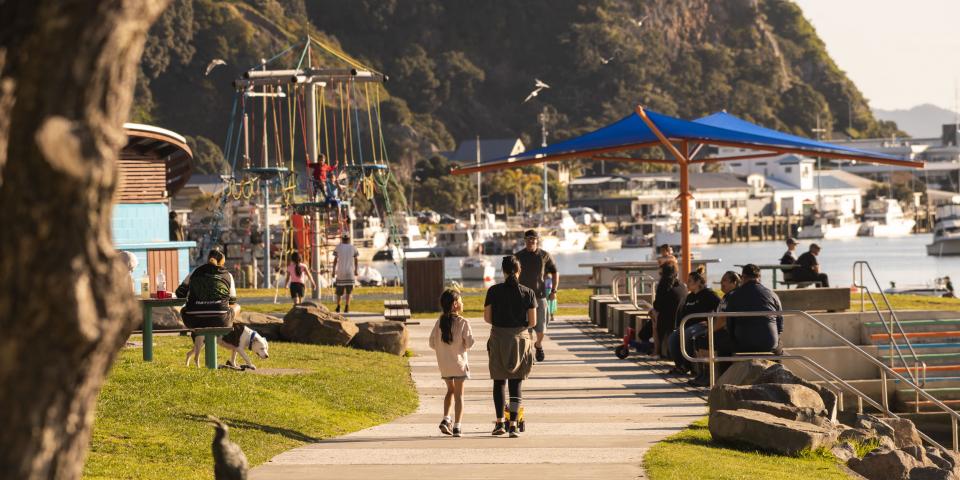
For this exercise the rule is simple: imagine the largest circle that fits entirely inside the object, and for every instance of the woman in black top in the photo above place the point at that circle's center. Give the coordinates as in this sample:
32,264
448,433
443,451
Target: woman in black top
670,293
511,310
700,299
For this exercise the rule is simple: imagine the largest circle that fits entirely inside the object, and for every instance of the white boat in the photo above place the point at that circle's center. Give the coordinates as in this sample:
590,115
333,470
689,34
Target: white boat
884,218
600,238
476,268
563,235
700,234
830,226
466,240
369,277
937,289
946,232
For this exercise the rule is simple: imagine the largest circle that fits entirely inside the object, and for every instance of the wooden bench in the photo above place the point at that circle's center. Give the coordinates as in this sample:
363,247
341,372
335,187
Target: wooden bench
396,310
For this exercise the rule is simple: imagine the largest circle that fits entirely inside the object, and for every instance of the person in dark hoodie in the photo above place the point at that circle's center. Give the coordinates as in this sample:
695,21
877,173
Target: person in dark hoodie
211,295
754,334
700,299
669,297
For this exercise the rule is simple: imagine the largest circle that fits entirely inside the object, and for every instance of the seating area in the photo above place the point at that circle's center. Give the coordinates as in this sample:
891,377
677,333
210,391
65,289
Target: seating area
396,310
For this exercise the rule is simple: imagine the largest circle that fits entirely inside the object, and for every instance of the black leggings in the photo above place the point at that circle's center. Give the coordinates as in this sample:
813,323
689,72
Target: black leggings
515,397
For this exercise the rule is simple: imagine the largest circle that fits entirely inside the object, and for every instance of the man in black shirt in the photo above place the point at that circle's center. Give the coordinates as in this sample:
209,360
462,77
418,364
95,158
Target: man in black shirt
754,334
809,269
535,265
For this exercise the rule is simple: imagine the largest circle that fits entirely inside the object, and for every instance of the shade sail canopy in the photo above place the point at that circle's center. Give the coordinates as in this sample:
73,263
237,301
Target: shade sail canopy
721,129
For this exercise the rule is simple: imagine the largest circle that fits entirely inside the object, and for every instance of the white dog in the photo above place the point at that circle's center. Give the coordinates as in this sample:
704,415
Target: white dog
242,338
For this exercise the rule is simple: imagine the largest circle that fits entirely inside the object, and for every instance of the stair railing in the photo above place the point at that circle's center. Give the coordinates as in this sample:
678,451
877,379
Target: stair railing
919,372
821,371
636,285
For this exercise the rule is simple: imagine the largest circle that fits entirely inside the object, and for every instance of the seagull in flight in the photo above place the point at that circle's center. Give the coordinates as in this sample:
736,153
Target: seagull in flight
640,21
606,60
216,62
536,91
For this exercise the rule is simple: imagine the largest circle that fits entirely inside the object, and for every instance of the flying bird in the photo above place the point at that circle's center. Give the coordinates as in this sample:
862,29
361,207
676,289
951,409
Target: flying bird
606,60
640,21
216,62
229,462
539,85
532,95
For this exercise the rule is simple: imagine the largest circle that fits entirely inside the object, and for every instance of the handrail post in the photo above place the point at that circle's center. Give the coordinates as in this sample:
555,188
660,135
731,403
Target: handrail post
953,427
883,391
711,353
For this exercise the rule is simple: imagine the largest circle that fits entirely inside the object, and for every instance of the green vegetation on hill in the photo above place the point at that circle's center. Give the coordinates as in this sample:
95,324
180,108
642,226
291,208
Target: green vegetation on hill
151,417
460,69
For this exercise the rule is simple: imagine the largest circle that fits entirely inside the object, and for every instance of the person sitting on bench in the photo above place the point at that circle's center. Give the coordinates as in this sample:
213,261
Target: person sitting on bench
754,334
809,268
211,295
789,258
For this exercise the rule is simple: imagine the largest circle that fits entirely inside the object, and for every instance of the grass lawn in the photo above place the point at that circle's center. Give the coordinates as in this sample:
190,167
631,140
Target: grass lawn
151,416
906,302
691,454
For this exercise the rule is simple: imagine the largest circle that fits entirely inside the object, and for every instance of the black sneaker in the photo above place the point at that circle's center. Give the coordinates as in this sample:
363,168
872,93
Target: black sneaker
514,433
445,427
540,356
346,309
456,432
338,309
499,429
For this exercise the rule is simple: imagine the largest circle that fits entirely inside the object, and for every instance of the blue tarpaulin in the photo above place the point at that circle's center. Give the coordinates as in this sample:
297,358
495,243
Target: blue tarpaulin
631,132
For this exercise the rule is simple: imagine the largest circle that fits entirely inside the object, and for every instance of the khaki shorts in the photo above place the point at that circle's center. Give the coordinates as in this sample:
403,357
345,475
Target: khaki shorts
543,318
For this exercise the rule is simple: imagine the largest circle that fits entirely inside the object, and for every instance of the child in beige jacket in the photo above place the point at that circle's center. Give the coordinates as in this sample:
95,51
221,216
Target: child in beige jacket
451,338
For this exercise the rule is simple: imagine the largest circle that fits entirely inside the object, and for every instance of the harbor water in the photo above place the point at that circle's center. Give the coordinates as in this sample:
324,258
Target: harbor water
902,260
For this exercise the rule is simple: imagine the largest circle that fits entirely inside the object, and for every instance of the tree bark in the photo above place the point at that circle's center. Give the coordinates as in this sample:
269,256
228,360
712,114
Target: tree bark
66,307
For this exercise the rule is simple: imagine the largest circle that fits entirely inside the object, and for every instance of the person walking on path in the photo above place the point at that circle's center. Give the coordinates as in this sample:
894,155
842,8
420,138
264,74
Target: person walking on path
451,338
670,294
536,264
700,299
809,267
297,272
511,310
346,266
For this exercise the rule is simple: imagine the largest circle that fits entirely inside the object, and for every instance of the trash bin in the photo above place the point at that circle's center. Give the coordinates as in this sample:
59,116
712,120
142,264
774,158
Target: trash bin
423,283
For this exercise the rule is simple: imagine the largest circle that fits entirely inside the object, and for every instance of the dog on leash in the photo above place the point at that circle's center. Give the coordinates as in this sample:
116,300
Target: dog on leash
239,340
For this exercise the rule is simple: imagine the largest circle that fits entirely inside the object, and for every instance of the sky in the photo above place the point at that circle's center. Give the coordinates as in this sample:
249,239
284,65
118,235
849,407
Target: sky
900,53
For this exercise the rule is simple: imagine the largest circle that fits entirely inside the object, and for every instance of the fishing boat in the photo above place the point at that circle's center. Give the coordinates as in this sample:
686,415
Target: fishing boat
600,238
831,225
466,240
946,232
563,234
884,218
700,234
477,268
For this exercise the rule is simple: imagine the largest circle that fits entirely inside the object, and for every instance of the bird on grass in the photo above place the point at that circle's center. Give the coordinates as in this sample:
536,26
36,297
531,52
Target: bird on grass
538,85
229,462
216,62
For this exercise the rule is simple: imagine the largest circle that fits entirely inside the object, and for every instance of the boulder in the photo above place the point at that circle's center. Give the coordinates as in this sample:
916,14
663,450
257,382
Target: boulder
777,373
307,323
875,425
918,453
381,336
265,324
931,473
944,459
843,451
726,397
781,410
744,373
885,464
768,432
905,433
861,435
166,318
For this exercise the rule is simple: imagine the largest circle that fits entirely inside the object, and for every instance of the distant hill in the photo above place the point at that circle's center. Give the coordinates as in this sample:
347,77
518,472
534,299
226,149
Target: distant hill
921,121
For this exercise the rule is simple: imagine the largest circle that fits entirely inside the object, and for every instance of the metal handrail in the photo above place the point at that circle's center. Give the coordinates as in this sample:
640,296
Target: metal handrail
919,365
712,359
632,288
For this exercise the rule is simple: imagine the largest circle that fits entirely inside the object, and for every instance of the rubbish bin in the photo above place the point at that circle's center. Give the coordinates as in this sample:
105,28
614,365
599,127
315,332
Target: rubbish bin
423,283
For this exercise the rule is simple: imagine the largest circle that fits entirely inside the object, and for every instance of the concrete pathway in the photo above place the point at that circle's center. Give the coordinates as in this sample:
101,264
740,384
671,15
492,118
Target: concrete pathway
589,415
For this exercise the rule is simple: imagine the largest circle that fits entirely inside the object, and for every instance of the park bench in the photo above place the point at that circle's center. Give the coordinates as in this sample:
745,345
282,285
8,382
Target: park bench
396,310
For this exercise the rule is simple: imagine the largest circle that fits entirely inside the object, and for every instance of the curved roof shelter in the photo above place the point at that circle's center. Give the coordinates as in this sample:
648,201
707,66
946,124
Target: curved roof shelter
683,140
154,165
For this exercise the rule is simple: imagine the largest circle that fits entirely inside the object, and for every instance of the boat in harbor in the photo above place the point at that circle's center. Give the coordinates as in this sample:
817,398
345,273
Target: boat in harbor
700,234
830,225
939,288
477,269
884,218
562,234
600,238
465,240
946,232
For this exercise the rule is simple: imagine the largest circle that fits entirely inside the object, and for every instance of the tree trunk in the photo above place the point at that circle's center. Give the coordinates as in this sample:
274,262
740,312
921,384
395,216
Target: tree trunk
66,307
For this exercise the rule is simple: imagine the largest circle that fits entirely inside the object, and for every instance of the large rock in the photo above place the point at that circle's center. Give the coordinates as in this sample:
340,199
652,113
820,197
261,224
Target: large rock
265,324
768,432
885,464
945,460
861,435
931,473
744,373
308,323
905,433
777,373
728,397
166,318
843,451
381,336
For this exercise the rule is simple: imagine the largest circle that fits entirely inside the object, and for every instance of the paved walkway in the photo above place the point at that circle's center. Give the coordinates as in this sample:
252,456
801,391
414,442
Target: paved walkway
589,415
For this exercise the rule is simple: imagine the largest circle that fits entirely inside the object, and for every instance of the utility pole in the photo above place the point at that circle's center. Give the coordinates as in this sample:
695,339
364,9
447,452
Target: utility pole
543,144
819,133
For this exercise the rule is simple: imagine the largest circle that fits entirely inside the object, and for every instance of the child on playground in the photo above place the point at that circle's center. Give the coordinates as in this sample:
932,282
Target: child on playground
451,338
297,271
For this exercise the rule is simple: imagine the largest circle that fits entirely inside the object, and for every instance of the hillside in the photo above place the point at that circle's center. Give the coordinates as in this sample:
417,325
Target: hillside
920,121
459,69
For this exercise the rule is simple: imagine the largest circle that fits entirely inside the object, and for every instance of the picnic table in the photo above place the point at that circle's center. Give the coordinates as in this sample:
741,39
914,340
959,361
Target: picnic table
148,304
599,279
775,268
